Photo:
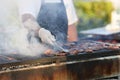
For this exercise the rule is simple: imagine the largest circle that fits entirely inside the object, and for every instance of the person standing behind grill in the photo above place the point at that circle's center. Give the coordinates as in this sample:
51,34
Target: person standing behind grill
49,20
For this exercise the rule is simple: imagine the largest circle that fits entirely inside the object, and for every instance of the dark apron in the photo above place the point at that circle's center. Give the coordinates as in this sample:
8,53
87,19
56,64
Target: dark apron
53,17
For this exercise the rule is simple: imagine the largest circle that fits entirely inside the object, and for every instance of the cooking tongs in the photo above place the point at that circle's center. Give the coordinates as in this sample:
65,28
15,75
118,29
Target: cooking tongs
60,48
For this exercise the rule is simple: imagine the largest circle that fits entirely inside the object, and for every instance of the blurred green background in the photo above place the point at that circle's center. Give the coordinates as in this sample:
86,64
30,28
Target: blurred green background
93,13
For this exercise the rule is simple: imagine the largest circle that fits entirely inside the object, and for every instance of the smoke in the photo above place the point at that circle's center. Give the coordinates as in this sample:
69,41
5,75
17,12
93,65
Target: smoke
13,36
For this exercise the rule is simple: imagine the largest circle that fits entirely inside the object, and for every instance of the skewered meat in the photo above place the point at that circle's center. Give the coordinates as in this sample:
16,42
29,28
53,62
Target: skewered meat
85,46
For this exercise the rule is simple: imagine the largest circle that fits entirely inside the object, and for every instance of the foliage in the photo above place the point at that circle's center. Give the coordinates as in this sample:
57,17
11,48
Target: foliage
93,14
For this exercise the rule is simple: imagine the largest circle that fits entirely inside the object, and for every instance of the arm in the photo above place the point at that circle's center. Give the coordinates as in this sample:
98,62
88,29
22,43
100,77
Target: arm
72,33
30,23
72,20
28,11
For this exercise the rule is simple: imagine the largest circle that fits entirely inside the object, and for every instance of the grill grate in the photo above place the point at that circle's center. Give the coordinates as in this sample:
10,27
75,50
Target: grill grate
82,50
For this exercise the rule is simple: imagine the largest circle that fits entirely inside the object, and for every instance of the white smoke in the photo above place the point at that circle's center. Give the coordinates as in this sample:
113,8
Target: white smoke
13,36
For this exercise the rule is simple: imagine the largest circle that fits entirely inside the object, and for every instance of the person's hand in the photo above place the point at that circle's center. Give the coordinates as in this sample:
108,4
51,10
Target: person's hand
31,25
46,36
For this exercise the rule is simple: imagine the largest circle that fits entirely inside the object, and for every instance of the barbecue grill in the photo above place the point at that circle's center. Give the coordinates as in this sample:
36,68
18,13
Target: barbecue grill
98,64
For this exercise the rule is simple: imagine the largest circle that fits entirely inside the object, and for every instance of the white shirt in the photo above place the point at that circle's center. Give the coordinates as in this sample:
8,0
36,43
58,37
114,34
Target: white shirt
33,7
